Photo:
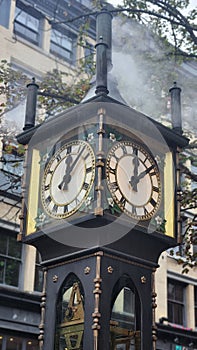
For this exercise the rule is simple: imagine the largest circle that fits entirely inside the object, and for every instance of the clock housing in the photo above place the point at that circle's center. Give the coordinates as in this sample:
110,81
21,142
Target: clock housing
126,177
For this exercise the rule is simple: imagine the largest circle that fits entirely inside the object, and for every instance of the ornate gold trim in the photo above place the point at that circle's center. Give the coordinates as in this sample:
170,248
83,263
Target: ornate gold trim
154,305
178,197
43,307
23,188
100,164
97,291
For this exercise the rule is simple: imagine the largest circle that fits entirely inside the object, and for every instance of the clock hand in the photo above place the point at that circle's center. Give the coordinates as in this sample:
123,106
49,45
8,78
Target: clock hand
67,177
135,180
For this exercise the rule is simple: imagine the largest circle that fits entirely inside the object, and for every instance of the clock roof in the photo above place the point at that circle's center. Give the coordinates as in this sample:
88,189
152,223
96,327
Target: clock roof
118,114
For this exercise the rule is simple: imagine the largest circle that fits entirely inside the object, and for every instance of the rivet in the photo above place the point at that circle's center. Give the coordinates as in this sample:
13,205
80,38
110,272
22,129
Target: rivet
110,269
143,279
55,278
87,270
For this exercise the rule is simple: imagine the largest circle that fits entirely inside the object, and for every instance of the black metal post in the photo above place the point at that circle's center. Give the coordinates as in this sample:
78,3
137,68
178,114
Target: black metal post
30,114
176,108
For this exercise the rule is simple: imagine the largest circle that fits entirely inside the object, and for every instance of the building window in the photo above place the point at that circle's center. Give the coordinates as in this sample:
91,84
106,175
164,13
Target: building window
176,302
63,45
38,281
10,259
5,13
26,24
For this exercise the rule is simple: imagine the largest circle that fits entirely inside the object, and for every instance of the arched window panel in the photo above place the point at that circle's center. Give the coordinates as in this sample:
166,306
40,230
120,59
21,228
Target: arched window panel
125,316
70,315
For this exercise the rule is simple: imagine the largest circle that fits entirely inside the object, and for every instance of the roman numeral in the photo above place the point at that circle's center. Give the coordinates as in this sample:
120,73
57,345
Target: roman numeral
152,202
124,149
46,187
55,208
114,186
85,186
134,210
145,211
69,149
88,170
156,189
123,201
112,171
58,158
48,200
135,151
149,169
65,208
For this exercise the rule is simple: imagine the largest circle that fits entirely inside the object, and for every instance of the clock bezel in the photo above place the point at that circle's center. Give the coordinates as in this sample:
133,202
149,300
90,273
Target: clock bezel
87,189
113,189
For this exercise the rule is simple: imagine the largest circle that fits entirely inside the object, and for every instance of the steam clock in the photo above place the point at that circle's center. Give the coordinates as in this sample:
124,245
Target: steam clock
99,204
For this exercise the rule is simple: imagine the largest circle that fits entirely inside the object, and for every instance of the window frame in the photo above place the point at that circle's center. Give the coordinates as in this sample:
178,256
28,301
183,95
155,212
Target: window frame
57,48
27,12
7,257
176,303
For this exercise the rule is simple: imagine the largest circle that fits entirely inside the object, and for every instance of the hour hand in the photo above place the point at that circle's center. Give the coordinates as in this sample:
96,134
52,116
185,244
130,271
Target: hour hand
67,177
134,179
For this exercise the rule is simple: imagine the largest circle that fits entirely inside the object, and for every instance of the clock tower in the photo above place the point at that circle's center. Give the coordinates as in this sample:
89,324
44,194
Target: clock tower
100,205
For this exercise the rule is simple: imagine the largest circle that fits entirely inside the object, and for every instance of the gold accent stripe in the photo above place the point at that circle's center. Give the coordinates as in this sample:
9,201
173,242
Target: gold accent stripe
33,192
169,195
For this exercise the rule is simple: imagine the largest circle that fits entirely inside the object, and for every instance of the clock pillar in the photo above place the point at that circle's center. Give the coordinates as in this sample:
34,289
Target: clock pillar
99,205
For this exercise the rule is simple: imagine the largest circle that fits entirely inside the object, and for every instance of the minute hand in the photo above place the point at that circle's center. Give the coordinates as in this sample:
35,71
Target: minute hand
66,179
143,173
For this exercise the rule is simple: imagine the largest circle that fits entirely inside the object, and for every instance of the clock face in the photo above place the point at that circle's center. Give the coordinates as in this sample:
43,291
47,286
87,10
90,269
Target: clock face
133,180
68,178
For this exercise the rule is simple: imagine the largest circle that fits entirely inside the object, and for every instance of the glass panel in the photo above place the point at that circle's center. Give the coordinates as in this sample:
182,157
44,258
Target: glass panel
178,314
3,244
62,44
38,282
26,25
70,316
12,272
179,293
124,335
2,269
14,248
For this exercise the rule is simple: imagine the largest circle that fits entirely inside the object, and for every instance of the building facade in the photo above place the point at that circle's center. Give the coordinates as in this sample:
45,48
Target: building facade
36,37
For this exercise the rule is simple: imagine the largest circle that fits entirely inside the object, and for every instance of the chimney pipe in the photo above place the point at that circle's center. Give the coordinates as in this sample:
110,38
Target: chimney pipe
103,50
30,114
175,92
104,30
101,67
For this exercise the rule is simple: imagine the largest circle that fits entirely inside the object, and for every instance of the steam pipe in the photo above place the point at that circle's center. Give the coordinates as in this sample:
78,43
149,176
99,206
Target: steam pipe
101,67
175,92
30,114
104,30
103,49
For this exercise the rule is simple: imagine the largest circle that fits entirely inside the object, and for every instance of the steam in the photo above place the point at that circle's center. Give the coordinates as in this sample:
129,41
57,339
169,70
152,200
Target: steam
145,71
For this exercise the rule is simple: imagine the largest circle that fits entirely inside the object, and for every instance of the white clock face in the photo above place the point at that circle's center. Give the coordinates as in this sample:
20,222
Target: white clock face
68,179
133,180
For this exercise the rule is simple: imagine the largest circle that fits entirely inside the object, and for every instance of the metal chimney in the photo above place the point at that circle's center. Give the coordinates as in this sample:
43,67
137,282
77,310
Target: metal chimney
30,114
103,50
175,92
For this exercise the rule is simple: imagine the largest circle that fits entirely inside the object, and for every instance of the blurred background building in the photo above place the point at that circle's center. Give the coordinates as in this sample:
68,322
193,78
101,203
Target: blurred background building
36,37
